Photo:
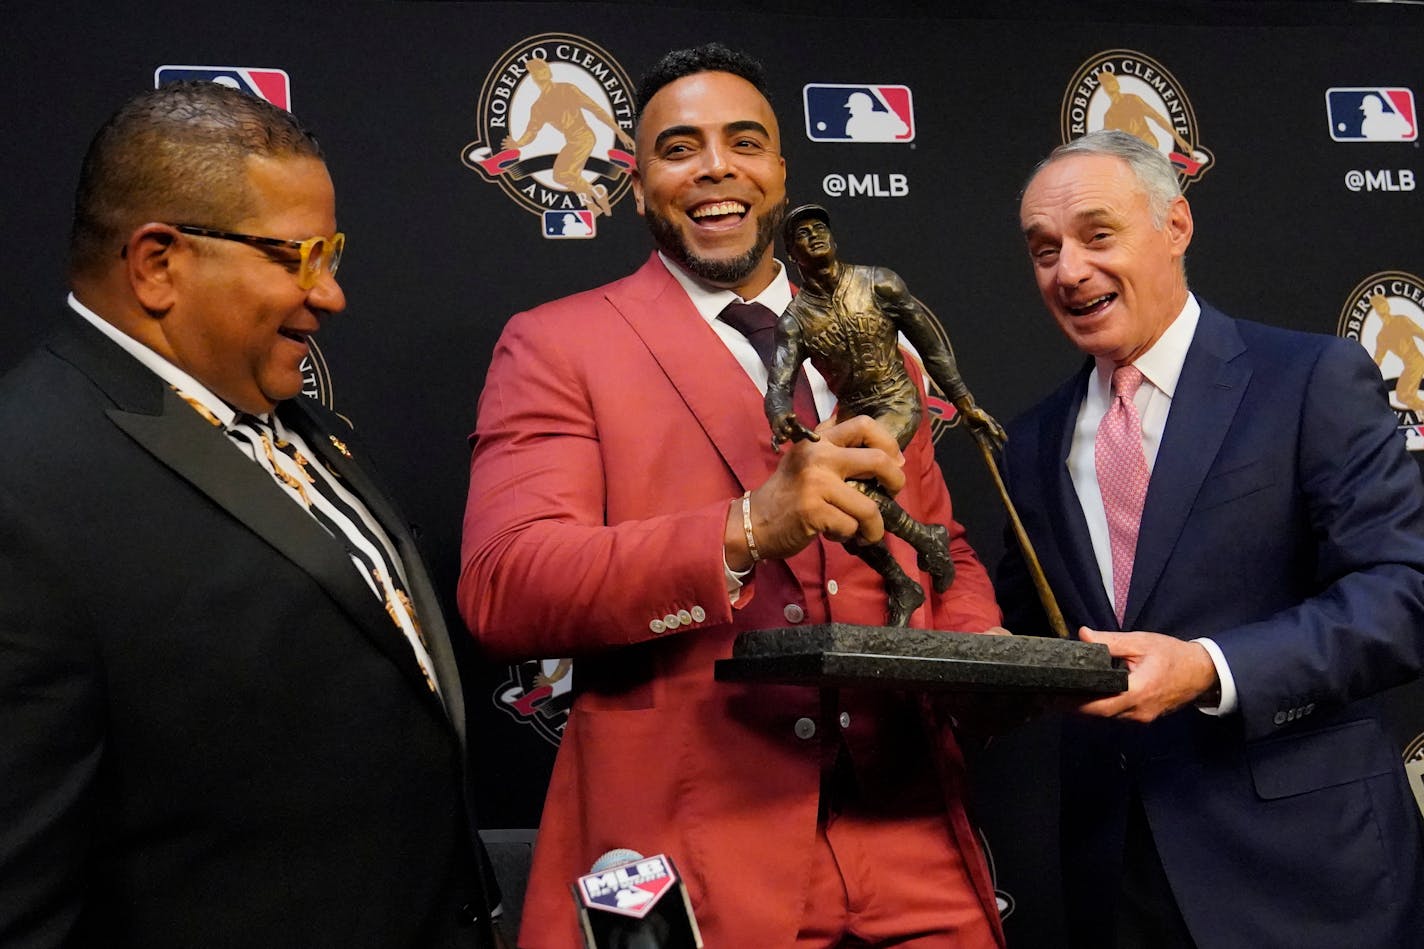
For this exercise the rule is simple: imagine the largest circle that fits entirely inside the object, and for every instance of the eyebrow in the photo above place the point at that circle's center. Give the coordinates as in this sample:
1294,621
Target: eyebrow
1087,216
731,128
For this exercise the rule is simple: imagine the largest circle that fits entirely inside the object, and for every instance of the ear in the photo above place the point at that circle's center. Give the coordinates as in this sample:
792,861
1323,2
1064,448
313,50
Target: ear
1179,226
637,189
149,257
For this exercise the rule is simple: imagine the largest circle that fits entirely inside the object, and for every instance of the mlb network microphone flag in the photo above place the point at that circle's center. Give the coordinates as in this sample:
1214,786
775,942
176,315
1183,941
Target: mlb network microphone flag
641,902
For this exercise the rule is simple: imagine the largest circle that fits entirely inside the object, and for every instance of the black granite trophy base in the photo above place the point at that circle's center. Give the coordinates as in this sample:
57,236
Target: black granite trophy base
836,654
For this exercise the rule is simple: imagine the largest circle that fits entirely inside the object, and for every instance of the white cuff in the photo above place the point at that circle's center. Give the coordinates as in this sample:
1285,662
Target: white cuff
1227,705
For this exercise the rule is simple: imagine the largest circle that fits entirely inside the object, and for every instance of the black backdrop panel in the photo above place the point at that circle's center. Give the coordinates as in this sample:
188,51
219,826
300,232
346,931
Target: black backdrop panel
1290,222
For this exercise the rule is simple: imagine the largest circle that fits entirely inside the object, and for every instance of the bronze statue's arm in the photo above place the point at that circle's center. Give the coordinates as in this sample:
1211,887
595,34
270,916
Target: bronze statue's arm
781,380
915,320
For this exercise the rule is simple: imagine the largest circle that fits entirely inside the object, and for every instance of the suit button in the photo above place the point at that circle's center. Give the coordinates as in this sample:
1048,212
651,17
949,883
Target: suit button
832,587
1310,708
658,627
684,617
845,719
793,613
805,728
698,614
1280,718
671,621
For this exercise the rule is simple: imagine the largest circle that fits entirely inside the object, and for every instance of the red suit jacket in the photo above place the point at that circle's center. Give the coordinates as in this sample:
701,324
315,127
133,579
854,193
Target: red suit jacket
614,430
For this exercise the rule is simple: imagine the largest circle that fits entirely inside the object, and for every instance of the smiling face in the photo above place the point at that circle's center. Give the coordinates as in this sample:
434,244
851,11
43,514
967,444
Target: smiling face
1112,280
711,180
239,321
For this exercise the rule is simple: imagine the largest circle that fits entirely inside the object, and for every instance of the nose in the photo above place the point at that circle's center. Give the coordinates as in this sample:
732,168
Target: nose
326,294
1072,266
716,161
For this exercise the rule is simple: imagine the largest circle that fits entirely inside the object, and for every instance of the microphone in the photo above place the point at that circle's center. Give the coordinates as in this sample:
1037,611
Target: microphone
629,901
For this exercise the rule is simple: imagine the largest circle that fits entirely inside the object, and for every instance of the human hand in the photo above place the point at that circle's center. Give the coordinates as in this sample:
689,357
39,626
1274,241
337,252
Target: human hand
808,494
1163,674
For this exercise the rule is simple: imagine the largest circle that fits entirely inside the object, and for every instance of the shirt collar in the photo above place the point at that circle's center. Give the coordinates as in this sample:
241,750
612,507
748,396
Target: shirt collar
1162,364
161,367
710,302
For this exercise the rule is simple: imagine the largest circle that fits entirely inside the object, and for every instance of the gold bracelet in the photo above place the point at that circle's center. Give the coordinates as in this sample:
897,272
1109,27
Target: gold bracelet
747,528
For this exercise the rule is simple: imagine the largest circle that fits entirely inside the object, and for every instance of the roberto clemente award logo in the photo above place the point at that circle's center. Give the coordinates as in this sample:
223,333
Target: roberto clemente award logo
1131,92
316,379
554,126
1414,768
1385,314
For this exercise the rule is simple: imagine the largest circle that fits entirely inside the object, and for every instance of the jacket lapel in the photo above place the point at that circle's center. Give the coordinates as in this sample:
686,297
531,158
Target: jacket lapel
166,427
1065,512
1208,394
694,360
342,461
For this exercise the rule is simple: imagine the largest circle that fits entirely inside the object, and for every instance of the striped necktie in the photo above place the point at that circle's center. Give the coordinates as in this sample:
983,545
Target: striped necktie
338,511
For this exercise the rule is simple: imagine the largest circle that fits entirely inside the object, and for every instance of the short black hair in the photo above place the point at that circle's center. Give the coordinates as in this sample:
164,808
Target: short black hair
174,153
710,57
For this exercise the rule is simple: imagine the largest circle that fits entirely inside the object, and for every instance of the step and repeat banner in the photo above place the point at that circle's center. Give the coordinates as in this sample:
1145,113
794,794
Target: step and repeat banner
1297,140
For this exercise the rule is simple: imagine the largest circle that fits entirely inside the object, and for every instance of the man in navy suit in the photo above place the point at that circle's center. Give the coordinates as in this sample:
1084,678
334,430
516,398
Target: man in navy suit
1267,586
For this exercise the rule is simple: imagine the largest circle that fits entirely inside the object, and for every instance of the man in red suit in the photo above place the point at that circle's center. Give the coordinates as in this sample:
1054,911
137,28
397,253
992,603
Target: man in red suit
626,508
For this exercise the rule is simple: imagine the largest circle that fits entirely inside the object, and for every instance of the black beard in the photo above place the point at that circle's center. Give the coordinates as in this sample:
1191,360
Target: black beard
717,272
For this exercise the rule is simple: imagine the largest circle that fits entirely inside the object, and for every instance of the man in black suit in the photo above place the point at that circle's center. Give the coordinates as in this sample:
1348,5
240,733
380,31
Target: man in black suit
231,713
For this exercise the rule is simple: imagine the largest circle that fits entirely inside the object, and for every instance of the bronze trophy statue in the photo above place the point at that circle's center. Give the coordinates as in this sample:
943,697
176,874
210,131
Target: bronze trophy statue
847,319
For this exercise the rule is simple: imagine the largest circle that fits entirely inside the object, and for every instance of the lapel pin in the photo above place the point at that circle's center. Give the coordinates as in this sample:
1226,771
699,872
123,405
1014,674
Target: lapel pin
340,445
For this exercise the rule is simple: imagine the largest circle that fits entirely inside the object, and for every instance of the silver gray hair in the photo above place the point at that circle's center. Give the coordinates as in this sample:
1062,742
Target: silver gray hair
1152,169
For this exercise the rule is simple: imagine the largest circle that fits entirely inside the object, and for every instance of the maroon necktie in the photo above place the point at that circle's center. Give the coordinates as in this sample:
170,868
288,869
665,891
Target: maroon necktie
1122,478
758,324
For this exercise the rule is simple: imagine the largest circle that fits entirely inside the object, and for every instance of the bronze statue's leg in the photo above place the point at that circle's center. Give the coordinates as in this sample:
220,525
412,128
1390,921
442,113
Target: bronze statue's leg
931,541
903,595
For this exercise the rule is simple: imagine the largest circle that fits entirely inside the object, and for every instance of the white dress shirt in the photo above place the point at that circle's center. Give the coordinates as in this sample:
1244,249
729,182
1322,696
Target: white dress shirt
1161,367
193,389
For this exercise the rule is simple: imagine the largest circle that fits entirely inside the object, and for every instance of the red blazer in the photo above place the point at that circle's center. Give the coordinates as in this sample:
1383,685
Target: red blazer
614,430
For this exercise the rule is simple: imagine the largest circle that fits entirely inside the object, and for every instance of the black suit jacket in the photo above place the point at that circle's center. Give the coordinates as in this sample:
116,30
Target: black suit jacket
211,733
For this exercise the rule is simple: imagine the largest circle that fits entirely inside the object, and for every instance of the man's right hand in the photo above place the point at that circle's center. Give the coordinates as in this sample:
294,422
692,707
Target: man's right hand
808,494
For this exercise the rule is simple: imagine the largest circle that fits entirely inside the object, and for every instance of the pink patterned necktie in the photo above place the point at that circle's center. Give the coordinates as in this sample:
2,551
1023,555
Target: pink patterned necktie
1122,478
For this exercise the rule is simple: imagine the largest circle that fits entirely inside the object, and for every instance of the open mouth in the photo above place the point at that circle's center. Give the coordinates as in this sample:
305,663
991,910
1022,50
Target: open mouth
1096,305
719,213
295,336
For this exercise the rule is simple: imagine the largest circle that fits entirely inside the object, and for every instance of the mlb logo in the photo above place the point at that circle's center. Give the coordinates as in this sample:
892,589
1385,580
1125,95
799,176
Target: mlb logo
561,225
270,84
838,112
1372,115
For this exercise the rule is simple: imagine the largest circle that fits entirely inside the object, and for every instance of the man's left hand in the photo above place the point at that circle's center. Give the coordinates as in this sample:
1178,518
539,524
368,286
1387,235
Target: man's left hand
1163,674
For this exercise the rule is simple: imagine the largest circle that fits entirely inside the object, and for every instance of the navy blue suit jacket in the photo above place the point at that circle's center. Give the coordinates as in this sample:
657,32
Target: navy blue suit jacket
1285,521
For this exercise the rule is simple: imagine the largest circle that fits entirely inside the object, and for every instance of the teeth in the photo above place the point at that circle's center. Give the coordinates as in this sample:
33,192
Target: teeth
721,207
1085,307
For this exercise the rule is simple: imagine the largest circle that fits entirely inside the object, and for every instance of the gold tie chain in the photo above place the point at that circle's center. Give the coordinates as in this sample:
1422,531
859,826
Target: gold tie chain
290,480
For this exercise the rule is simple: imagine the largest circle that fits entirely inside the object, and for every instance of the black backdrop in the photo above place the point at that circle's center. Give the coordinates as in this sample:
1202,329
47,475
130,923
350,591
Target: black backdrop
1292,223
